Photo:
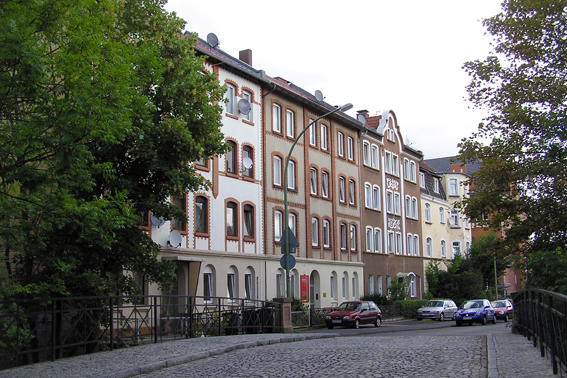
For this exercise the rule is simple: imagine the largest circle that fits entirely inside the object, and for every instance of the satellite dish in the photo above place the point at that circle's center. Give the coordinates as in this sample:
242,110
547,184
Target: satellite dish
319,95
361,118
244,106
212,40
175,239
158,222
247,162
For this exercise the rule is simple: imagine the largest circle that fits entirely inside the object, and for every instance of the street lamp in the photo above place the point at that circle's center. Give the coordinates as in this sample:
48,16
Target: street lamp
286,245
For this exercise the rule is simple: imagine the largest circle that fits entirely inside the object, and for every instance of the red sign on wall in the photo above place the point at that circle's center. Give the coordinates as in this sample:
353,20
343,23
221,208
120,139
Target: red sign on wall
304,288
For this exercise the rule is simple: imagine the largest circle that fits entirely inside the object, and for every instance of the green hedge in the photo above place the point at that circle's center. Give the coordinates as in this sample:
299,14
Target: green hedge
409,308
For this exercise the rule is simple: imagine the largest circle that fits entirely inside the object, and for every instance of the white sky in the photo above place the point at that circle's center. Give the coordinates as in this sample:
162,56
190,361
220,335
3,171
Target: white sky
402,55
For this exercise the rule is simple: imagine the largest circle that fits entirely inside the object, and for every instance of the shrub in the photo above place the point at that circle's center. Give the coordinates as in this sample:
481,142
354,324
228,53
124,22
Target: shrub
409,308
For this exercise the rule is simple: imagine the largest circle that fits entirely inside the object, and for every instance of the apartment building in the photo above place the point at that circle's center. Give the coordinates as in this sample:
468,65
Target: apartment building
391,213
322,196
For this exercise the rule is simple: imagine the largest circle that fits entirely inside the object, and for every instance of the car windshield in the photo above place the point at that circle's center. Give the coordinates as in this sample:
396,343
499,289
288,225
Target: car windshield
434,304
472,304
499,304
349,306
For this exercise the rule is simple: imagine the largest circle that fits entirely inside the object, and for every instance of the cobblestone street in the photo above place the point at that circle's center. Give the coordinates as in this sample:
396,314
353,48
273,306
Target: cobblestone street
369,356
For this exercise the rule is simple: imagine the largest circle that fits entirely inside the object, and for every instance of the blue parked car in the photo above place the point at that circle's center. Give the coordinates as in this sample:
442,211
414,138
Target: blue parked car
475,311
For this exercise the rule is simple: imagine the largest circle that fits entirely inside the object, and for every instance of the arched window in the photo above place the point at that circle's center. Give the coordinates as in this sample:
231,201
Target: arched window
248,97
249,283
230,96
201,214
208,283
248,221
247,152
231,219
231,158
231,283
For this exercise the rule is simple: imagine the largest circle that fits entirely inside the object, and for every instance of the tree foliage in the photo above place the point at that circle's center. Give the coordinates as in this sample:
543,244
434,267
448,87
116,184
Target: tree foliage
522,181
103,103
459,282
482,254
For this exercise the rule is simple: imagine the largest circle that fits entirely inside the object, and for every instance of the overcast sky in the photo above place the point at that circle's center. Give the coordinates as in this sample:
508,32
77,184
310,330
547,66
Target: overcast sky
402,55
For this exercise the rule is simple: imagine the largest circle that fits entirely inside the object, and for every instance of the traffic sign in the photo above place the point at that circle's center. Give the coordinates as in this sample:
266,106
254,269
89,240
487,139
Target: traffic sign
293,242
283,262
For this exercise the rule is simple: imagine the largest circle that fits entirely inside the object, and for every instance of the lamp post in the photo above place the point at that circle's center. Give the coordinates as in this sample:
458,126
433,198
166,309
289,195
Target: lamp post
343,108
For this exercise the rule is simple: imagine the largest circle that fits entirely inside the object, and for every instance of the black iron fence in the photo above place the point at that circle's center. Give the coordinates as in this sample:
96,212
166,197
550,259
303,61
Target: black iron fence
540,315
315,317
47,329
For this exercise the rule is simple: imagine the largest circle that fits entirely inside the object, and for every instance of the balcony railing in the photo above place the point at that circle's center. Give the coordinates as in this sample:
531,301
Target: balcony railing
541,316
48,329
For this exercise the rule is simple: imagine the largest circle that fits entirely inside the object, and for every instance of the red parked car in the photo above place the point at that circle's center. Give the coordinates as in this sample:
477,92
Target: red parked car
503,309
353,314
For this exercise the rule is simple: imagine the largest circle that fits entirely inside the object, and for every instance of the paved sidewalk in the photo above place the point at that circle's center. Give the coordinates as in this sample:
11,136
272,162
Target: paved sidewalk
509,355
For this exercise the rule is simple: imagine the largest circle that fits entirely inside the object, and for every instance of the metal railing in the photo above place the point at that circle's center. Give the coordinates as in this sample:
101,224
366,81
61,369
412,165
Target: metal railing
315,317
540,315
48,329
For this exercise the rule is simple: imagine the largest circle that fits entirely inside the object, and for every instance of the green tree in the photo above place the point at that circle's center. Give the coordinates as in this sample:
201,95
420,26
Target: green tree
545,269
103,106
484,250
522,181
459,282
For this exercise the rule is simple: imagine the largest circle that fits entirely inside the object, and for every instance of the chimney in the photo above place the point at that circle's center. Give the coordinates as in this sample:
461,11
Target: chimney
364,112
246,56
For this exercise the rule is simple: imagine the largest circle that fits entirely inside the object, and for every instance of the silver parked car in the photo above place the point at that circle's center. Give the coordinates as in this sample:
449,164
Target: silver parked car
439,309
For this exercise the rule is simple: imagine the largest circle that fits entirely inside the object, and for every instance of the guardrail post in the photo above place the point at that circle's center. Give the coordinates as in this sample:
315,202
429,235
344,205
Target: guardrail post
111,325
156,320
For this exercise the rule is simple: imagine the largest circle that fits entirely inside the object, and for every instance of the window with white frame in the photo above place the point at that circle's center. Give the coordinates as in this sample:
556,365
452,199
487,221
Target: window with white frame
366,153
247,152
290,123
398,243
248,97
342,189
379,285
208,279
248,284
230,100
333,285
412,171
377,240
354,286
416,245
324,136
407,173
368,195
231,283
325,184
467,223
456,248
397,204
395,165
292,223
374,157
277,171
376,200
409,244
443,249
435,184
315,232
414,210
441,215
280,282
326,234
230,157
278,225
353,238
231,219
409,214
343,236
276,118
391,241
351,192
370,284
388,284
248,220
429,247
314,184
341,144
453,187
345,285
455,219
369,239
350,148
422,179
389,201
291,175
312,133
412,287
388,162
428,212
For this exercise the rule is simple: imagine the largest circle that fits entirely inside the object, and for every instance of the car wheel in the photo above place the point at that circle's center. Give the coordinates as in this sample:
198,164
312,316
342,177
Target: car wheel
470,323
357,323
330,326
506,318
484,320
378,322
459,324
441,317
